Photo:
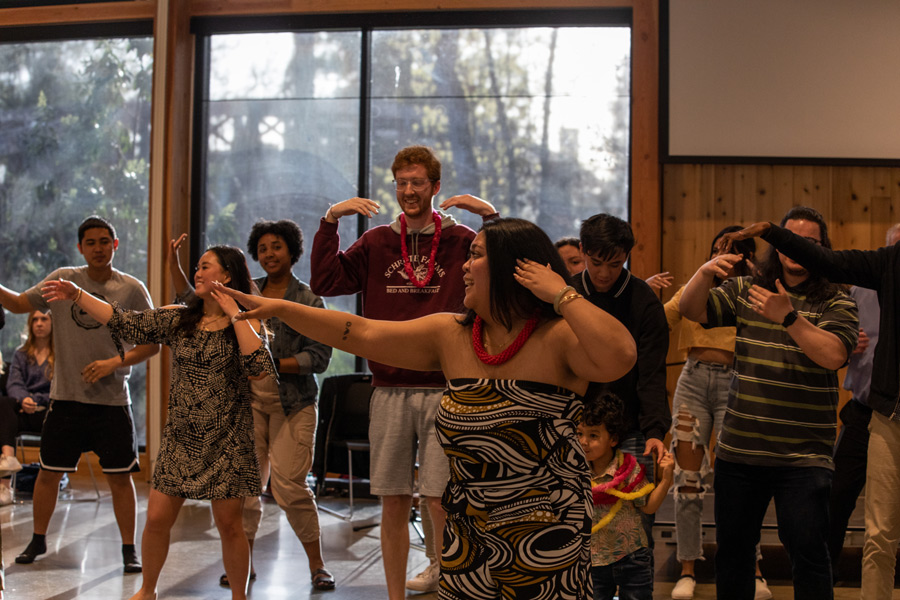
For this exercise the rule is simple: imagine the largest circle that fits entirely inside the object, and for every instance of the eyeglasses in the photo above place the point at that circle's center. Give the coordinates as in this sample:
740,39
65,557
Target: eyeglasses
417,184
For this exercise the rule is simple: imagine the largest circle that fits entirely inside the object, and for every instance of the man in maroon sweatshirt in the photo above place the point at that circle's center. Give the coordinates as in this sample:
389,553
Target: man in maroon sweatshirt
405,270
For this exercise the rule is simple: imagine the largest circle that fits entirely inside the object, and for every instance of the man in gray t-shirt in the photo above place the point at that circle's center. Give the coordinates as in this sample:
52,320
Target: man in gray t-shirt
90,407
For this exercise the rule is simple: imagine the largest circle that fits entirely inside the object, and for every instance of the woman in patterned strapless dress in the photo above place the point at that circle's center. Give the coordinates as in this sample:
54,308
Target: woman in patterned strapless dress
517,363
207,449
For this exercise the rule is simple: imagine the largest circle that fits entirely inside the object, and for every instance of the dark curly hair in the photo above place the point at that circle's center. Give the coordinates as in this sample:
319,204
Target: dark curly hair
285,229
606,409
418,155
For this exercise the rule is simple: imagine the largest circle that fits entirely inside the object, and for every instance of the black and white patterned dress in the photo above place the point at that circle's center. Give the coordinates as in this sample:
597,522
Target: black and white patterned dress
518,502
207,450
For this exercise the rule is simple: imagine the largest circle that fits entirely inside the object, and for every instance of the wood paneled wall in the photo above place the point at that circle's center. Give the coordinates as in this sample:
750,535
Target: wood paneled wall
858,203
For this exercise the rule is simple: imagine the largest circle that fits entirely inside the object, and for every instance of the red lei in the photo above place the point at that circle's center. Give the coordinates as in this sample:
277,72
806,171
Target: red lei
499,359
435,240
599,491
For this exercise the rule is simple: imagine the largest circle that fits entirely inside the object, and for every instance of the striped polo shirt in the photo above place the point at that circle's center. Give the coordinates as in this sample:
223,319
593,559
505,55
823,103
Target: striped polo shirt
782,406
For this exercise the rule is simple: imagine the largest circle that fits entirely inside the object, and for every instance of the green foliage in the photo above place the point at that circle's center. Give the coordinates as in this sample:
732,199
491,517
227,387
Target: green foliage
76,142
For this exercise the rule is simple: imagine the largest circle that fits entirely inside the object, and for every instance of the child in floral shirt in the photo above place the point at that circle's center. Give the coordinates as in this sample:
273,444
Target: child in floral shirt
620,552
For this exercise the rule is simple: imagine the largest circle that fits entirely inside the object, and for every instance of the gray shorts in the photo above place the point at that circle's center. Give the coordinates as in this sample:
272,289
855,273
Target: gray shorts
401,422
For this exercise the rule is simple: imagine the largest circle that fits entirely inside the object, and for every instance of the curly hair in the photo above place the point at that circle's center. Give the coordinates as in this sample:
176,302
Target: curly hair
286,229
418,155
608,410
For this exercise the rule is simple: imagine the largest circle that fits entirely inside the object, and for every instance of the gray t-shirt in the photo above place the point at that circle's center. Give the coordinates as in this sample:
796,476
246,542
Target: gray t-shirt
78,339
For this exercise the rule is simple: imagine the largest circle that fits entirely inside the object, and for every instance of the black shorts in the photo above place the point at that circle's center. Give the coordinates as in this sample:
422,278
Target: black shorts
72,428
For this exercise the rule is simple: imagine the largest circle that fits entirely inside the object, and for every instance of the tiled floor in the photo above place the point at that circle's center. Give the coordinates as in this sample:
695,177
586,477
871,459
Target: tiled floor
84,560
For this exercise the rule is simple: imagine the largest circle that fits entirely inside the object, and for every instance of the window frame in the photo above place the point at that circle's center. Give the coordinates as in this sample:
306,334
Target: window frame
203,28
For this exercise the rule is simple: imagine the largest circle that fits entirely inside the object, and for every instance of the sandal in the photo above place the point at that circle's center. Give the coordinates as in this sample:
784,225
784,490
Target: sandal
323,580
223,580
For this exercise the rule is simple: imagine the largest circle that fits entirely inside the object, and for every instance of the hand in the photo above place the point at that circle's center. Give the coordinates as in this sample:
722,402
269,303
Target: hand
257,307
656,447
99,369
666,465
59,290
660,280
362,206
774,307
724,243
226,302
473,204
540,280
174,247
721,266
29,405
862,343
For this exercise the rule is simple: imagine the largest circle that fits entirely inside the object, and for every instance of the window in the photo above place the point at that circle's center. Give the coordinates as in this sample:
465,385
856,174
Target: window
533,118
75,116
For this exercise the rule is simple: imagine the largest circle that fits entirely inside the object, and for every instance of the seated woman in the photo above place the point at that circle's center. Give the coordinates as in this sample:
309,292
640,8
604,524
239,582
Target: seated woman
517,363
27,394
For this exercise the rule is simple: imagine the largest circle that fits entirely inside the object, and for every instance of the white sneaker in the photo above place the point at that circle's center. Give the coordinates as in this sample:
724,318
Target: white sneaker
6,496
684,588
9,465
762,589
427,580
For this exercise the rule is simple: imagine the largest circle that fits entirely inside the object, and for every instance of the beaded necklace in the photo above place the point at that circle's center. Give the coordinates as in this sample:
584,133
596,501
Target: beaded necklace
435,240
498,359
614,491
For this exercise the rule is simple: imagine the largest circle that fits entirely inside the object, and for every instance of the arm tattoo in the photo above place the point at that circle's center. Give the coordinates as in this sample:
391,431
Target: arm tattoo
346,331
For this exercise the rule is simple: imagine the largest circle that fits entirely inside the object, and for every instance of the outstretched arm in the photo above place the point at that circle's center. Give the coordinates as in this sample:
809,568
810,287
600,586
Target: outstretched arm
725,242
597,346
411,344
362,206
473,204
66,290
14,302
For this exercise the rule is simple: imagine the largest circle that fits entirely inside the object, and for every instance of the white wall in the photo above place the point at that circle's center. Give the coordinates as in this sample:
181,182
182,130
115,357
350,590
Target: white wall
784,78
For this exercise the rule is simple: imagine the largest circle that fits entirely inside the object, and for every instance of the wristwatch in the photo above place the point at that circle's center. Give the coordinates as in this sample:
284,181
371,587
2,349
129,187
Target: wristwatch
789,319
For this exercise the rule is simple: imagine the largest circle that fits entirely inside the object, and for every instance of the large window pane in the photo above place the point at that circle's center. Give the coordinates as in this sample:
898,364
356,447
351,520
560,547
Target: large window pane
76,141
535,120
282,138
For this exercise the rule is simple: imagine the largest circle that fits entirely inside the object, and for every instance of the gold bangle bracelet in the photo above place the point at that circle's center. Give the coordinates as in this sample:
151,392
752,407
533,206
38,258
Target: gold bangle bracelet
78,296
559,296
573,296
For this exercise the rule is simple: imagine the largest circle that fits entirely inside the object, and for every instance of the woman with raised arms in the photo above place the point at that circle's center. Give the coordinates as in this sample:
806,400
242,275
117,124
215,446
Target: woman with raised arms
517,363
207,450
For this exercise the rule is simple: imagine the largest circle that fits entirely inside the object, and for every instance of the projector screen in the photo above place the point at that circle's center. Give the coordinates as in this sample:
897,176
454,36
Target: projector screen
795,79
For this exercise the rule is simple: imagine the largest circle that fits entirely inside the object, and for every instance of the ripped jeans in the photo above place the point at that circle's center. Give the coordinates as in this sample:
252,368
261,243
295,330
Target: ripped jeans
698,408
